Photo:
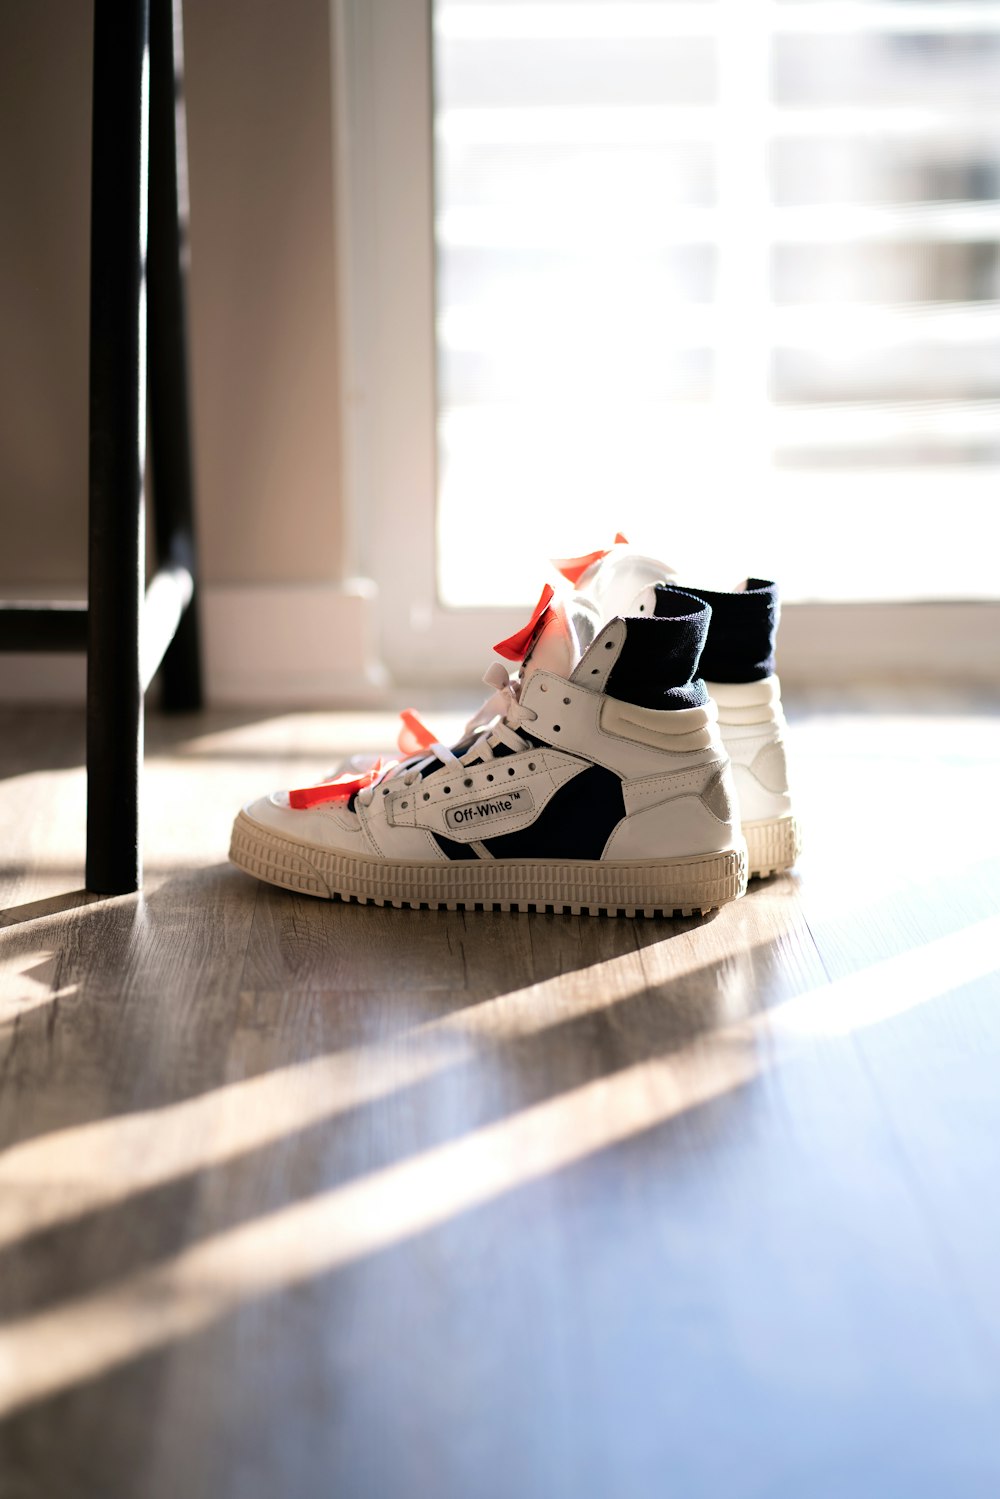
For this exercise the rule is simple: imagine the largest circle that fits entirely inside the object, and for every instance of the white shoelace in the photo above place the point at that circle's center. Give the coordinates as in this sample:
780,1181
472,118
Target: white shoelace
495,723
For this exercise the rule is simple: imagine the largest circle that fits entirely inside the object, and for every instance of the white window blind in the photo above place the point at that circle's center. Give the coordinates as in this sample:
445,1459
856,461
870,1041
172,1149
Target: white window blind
724,276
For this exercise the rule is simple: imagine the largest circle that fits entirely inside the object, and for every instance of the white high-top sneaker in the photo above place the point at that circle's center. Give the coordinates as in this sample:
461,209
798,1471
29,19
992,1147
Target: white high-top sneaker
599,783
752,726
739,671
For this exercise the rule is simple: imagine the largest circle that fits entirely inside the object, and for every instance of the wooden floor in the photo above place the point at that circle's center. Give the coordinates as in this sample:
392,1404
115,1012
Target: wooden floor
300,1199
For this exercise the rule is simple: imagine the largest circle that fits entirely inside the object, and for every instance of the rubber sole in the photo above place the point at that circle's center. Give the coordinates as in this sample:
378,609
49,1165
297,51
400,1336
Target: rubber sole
664,887
772,846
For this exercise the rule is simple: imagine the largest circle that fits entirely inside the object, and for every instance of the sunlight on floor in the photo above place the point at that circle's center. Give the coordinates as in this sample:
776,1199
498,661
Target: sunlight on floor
93,1166
55,1349
884,990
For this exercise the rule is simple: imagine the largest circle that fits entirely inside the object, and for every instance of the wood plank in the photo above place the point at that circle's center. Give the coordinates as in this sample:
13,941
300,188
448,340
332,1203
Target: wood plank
299,1196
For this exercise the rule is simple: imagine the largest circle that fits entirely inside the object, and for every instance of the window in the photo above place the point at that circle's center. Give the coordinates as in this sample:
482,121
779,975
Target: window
697,269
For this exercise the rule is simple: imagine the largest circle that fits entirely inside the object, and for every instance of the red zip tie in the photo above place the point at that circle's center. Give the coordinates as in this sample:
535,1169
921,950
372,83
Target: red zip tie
573,568
340,789
517,646
414,735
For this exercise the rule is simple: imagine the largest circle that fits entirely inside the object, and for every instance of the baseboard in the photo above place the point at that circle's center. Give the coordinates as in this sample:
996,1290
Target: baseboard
305,645
831,645
316,646
266,645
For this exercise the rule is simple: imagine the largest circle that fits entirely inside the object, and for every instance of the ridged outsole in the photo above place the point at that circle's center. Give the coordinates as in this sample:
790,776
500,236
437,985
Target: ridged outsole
665,887
772,846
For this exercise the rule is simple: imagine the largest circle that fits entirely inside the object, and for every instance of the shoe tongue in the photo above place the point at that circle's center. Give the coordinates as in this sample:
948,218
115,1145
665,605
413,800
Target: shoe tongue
616,584
567,629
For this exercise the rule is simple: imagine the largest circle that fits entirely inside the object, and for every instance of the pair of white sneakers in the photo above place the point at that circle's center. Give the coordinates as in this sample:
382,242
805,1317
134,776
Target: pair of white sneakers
634,765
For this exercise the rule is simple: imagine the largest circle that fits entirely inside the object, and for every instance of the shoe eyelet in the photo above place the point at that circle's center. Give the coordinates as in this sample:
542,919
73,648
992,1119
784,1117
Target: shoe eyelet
489,778
446,790
511,771
543,687
531,764
595,671
404,805
427,796
467,781
566,702
609,645
555,728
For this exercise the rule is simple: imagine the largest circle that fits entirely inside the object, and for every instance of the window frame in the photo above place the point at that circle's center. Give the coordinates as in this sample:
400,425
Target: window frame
383,105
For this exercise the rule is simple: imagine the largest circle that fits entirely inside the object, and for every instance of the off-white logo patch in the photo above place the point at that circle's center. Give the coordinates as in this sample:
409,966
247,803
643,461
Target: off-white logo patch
487,810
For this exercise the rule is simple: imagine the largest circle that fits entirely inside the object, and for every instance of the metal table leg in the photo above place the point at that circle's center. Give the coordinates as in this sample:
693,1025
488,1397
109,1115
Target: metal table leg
117,444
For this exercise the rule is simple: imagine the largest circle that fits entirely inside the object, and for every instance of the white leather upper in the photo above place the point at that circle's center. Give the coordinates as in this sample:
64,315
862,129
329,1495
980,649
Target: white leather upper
329,825
364,832
752,724
468,803
569,717
682,825
676,786
594,668
683,729
747,702
623,581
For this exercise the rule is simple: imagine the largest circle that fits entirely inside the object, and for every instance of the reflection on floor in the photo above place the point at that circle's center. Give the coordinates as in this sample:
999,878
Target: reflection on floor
300,1199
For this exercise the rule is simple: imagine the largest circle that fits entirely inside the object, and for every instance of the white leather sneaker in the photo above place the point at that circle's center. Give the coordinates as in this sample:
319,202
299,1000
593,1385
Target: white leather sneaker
739,671
752,726
595,782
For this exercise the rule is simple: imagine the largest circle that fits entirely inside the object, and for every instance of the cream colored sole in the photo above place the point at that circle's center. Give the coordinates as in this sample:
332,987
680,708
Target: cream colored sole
664,887
772,845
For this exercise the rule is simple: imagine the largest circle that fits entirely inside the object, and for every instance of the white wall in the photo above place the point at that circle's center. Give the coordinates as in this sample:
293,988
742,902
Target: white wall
264,329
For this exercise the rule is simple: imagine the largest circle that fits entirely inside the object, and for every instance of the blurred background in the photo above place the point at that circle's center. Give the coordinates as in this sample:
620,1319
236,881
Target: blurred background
475,282
709,257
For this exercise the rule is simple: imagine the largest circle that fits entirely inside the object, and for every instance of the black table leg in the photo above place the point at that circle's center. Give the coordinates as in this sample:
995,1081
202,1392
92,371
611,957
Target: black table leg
170,425
117,445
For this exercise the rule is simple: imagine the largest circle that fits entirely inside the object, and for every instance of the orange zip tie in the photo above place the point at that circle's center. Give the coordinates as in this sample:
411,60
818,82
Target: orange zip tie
517,646
573,568
414,735
340,789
